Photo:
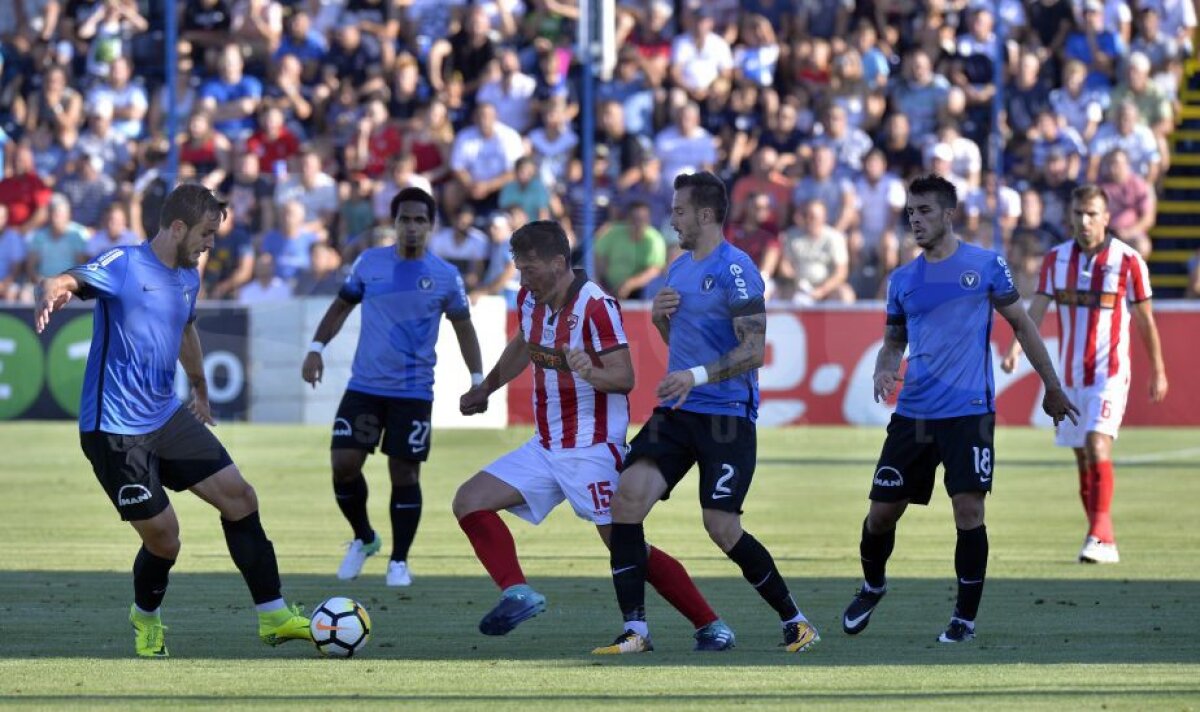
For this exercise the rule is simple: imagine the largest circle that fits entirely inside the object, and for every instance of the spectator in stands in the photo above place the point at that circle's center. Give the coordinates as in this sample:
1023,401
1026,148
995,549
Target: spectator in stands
229,263
13,253
758,238
973,73
356,210
250,195
510,91
756,57
1139,143
1032,227
527,191
304,42
408,91
836,193
1098,48
700,57
1132,205
24,193
498,278
632,92
267,285
738,122
786,135
325,277
1154,108
815,265
273,143
482,159
630,253
624,148
149,191
232,97
763,179
100,139
57,105
356,60
1178,21
114,231
314,189
258,26
109,31
685,147
1025,259
205,149
903,158
467,53
127,99
575,198
1165,52
941,162
59,244
1055,186
463,245
652,191
1055,136
403,175
376,141
988,204
290,246
206,24
849,144
430,141
290,94
873,248
1050,23
920,94
89,190
967,163
1026,97
554,142
1082,108
186,94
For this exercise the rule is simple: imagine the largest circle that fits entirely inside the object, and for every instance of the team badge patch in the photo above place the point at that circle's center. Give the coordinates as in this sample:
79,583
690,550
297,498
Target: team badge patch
572,321
708,282
969,280
425,283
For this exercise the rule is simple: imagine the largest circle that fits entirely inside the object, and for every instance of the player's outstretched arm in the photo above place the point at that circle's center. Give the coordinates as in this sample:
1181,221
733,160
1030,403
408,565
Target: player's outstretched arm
1147,328
53,293
191,356
1055,403
1037,312
614,374
887,361
512,362
468,345
335,316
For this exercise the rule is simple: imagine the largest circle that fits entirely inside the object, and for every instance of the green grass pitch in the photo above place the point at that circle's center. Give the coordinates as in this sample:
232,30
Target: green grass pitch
1053,634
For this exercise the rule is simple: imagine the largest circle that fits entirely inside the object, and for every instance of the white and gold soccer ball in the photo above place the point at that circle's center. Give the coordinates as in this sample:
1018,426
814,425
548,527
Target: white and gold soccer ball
340,627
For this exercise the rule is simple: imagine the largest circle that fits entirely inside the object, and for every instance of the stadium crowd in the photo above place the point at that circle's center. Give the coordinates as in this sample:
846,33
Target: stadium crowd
309,115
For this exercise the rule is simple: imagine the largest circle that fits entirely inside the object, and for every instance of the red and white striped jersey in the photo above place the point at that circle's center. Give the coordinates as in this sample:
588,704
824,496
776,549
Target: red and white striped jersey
1093,295
568,410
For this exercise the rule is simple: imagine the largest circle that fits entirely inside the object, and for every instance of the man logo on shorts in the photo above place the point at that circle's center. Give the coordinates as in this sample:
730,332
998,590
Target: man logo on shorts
130,495
341,426
888,477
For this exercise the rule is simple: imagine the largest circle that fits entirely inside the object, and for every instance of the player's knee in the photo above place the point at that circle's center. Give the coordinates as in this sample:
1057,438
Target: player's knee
968,512
723,530
347,467
162,541
466,500
404,473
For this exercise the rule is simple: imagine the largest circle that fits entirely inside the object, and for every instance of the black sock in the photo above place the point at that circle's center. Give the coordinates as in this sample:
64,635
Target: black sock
628,559
254,556
406,515
150,574
970,563
352,500
873,551
759,569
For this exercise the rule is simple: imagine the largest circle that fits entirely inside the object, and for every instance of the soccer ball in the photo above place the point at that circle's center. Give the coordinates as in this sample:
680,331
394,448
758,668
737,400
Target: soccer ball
340,627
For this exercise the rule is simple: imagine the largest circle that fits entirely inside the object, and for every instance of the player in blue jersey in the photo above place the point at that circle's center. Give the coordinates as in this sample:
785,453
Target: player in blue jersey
404,291
939,306
711,315
137,434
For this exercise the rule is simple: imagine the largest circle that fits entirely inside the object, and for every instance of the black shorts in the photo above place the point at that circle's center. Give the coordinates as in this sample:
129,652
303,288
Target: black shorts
403,423
914,448
725,447
133,469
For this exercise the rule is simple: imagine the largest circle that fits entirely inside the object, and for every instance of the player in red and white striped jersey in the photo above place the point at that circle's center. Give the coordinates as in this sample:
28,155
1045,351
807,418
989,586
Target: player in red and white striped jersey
572,333
1099,284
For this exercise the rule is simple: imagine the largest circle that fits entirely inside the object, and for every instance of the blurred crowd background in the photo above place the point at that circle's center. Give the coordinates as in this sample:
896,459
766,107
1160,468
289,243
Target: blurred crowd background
309,115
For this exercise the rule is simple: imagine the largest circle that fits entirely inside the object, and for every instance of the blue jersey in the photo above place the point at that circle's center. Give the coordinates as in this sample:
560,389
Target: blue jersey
403,302
142,308
947,307
712,293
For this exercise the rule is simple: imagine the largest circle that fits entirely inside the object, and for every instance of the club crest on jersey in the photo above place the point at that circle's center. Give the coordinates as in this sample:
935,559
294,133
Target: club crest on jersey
425,283
969,279
708,282
572,321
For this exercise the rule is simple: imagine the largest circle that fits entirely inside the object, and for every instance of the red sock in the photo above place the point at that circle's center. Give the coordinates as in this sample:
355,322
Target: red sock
1102,482
494,547
1085,492
673,583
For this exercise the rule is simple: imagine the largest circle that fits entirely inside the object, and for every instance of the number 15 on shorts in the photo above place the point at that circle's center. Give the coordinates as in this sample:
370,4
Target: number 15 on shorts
601,494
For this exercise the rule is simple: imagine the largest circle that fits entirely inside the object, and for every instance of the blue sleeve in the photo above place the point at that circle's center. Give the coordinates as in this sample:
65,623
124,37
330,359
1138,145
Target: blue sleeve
895,311
352,289
1000,283
103,276
744,289
253,87
457,307
193,291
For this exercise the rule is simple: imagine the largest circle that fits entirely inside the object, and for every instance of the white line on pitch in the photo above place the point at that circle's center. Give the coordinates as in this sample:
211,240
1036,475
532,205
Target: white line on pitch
1158,456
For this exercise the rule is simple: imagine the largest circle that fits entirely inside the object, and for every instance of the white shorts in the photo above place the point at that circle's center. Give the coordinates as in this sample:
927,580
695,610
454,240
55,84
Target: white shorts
584,476
1101,409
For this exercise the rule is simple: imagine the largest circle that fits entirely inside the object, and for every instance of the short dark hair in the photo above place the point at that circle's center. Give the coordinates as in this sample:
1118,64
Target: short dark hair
191,203
936,185
414,195
544,238
1089,191
708,191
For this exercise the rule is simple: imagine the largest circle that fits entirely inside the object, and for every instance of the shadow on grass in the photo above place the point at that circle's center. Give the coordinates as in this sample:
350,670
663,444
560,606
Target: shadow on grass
1039,621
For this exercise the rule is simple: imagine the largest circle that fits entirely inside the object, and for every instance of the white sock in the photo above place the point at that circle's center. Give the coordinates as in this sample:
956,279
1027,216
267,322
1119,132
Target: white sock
152,614
871,589
270,606
969,624
638,627
798,619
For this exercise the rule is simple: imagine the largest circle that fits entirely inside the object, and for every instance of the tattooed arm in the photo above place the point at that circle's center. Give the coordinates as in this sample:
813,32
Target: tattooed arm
751,331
